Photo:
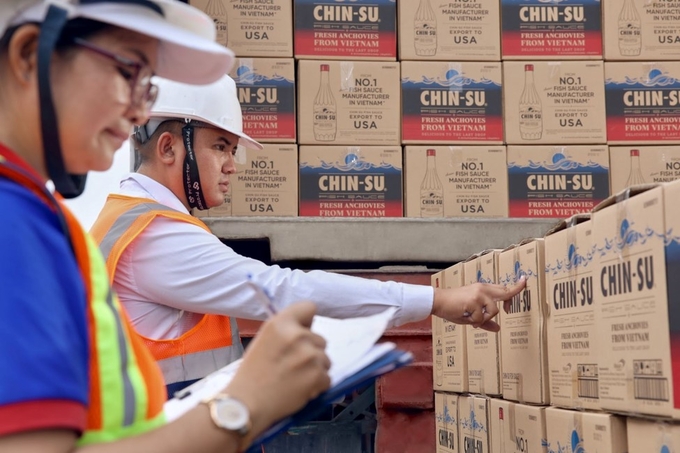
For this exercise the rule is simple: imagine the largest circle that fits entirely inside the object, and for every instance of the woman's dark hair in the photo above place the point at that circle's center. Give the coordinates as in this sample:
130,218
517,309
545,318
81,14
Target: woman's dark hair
76,28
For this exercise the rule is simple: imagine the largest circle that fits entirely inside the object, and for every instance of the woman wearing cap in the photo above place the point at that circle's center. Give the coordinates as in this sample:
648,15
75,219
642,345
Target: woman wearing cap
74,79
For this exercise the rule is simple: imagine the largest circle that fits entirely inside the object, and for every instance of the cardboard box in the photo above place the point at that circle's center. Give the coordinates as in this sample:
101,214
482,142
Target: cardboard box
641,30
437,281
556,181
348,103
577,431
516,427
455,181
643,102
524,355
266,184
483,350
635,301
572,342
651,436
252,29
446,422
454,341
266,92
631,165
473,424
447,102
554,102
351,181
539,29
362,29
430,30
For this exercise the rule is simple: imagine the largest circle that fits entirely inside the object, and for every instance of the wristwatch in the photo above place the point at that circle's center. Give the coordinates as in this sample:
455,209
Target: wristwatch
230,414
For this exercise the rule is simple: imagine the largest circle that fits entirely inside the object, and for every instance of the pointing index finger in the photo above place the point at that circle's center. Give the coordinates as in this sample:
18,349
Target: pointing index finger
508,292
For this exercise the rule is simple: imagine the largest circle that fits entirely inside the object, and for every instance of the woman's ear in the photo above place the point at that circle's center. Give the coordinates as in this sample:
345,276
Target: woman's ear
22,54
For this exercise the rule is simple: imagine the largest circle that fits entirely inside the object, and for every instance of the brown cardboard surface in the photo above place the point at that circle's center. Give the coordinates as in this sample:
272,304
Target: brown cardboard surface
641,30
252,29
585,431
446,420
572,332
650,164
516,427
430,30
483,349
524,359
565,104
472,181
358,106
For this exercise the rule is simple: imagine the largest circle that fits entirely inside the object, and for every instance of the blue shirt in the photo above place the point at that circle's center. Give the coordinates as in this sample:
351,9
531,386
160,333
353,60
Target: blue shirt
44,355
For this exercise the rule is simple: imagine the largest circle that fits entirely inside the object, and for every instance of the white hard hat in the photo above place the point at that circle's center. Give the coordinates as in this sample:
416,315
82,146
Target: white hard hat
215,104
187,51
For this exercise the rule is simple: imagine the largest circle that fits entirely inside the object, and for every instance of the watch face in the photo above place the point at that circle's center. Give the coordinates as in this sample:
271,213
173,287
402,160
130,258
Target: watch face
232,414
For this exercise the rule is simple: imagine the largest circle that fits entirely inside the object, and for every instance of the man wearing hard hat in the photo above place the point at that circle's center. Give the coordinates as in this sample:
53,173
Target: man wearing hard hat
182,287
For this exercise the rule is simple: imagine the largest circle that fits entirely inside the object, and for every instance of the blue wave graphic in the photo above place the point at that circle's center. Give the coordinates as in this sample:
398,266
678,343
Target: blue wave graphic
473,424
575,445
246,76
574,260
452,79
357,165
509,279
559,163
670,238
655,78
445,417
627,237
481,278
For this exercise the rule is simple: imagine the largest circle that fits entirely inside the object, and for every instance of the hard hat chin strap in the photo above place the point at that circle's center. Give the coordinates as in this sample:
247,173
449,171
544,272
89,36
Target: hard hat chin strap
192,180
68,185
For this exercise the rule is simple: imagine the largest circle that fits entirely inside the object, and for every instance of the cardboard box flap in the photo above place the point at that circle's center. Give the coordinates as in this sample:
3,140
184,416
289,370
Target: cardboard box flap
568,223
624,195
510,247
472,257
527,241
487,251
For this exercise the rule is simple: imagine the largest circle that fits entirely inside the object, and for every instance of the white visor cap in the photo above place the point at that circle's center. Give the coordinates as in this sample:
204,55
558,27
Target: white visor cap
215,104
187,52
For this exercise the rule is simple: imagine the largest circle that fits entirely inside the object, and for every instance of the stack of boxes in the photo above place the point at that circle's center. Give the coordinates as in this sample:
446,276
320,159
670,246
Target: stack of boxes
452,109
642,73
259,33
588,351
488,108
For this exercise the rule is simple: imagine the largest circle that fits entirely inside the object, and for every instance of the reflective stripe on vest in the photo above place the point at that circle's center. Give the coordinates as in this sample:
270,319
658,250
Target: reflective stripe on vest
126,393
208,346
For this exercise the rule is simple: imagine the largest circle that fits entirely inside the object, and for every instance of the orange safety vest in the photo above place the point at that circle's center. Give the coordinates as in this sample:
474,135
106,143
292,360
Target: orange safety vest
127,391
208,346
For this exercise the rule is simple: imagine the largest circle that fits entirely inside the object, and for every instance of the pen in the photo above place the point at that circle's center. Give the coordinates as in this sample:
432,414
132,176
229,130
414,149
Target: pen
263,297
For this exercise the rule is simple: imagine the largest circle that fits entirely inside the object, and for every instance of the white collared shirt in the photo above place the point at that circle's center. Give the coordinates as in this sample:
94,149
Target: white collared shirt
174,270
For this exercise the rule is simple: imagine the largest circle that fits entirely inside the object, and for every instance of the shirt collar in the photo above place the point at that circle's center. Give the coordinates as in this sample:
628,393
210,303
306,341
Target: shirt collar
14,159
134,183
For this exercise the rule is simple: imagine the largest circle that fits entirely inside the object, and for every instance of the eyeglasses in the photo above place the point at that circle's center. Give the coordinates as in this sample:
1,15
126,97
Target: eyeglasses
142,91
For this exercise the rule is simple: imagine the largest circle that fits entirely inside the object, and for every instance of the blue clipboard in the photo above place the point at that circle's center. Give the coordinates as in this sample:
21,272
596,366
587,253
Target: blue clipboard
389,362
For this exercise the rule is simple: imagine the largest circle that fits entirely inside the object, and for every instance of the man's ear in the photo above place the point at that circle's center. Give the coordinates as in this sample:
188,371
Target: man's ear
167,148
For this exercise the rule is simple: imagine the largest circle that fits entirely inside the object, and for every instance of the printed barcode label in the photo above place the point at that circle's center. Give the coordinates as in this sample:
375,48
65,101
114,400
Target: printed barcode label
588,388
655,389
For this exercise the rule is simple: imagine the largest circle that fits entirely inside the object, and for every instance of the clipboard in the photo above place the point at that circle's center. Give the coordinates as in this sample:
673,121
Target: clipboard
391,361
